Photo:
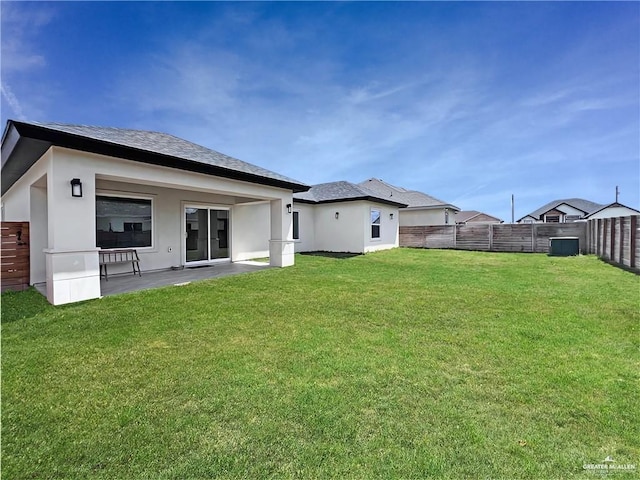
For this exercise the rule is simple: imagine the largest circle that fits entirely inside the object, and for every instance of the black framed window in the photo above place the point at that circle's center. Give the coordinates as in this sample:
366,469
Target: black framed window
375,223
123,222
296,226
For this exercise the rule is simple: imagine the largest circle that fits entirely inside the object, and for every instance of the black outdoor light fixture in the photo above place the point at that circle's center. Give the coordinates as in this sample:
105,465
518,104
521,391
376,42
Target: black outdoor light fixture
337,215
76,187
391,216
288,208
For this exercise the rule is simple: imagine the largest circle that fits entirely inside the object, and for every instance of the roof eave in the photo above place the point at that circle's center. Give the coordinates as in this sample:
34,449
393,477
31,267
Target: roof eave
351,199
433,207
101,147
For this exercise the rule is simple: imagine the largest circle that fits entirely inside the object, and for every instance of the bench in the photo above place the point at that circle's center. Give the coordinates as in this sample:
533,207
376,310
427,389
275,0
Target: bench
109,257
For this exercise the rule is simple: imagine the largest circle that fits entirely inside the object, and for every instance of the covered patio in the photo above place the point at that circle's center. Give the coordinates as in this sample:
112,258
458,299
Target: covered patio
85,189
123,283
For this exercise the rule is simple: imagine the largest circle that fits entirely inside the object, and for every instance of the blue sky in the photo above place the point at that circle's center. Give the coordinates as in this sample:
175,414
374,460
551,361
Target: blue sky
467,101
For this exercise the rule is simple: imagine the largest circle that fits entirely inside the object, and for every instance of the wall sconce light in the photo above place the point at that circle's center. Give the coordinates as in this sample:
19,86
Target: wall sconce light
76,187
391,216
288,208
337,215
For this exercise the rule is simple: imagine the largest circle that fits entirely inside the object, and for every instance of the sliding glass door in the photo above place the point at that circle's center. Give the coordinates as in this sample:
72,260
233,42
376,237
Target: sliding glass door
207,234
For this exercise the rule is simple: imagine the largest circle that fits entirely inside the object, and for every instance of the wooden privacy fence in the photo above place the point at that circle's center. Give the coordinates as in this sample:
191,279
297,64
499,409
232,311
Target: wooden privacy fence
615,240
495,237
14,256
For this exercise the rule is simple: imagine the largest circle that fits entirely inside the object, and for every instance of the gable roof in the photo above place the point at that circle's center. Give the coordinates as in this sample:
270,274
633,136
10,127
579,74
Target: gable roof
412,198
466,215
23,143
581,204
614,204
341,191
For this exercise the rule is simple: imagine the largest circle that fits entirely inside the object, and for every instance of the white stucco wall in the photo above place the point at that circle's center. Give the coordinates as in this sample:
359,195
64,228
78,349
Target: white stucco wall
612,212
250,230
70,255
16,201
320,230
569,210
38,228
307,227
414,218
389,231
26,201
343,234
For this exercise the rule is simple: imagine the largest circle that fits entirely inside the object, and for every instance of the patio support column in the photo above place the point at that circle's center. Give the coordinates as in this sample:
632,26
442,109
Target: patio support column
281,247
71,259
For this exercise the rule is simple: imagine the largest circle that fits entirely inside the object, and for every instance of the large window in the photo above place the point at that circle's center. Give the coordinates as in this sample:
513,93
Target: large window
375,223
296,226
123,222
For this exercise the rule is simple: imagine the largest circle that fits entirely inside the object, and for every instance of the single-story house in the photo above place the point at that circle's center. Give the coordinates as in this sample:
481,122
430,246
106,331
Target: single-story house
472,216
421,209
344,217
84,189
575,209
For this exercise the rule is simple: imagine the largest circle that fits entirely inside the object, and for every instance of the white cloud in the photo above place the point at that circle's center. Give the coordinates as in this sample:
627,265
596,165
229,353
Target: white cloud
453,131
13,102
20,24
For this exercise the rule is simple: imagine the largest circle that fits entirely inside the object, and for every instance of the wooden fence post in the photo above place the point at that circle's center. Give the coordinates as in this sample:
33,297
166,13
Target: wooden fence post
612,245
632,241
621,242
491,237
534,237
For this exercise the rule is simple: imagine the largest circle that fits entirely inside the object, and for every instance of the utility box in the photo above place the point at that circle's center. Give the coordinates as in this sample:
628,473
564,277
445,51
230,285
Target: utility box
564,246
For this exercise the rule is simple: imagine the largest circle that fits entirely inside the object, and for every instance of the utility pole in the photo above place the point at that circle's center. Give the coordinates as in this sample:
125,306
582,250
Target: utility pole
617,193
512,210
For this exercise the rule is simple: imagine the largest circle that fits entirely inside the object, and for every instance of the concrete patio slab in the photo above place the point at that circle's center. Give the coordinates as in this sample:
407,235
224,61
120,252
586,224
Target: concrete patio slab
122,283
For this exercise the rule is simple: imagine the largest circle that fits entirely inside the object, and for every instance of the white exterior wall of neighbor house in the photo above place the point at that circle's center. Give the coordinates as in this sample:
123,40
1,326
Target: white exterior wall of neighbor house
389,228
306,227
569,210
611,212
342,234
320,230
416,218
71,255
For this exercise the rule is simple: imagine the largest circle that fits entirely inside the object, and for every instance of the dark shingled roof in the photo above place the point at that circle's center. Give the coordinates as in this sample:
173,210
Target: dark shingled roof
144,146
412,198
341,191
580,203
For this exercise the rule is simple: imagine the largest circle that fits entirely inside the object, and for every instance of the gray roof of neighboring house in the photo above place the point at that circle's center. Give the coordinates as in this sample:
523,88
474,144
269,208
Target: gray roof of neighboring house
342,191
412,198
586,206
466,215
144,146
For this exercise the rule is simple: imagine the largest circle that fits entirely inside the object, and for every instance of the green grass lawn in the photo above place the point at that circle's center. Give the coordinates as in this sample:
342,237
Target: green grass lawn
398,364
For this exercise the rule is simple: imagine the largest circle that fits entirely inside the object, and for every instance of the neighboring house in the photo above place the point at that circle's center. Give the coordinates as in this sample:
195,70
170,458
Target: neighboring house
614,209
561,211
576,209
177,203
344,217
473,216
421,209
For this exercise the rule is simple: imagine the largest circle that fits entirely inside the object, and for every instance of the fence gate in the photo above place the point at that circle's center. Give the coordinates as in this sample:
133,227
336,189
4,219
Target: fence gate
14,256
